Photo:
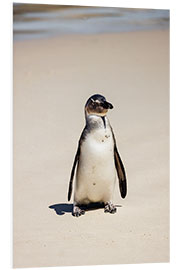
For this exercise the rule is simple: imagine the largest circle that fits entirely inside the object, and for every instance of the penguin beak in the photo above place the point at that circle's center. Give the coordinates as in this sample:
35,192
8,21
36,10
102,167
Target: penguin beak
107,105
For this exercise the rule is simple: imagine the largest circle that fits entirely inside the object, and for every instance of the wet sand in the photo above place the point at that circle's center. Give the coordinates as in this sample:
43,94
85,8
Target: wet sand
52,80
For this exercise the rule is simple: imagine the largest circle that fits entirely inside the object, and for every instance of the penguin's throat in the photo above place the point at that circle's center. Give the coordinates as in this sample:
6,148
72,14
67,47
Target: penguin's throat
94,112
98,114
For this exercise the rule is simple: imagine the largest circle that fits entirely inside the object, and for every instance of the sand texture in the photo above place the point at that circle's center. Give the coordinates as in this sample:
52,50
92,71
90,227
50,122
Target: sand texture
52,81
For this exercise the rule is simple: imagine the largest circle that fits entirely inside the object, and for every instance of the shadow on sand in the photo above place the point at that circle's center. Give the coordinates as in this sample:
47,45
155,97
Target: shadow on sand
63,208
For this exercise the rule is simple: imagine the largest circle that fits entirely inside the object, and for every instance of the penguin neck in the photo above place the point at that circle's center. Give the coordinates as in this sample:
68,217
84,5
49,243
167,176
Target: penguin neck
96,121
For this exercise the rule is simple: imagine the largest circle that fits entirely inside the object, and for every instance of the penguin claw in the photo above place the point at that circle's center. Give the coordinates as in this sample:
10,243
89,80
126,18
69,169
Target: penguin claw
113,211
110,208
77,212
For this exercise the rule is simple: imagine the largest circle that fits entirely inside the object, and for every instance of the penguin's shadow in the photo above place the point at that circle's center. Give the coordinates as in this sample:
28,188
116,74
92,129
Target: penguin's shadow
63,208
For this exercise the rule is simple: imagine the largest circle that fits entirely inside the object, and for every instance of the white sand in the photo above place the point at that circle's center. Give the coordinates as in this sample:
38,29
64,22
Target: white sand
52,80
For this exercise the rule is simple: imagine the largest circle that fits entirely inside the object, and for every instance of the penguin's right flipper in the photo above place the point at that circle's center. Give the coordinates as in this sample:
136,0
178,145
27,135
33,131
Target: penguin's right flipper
76,159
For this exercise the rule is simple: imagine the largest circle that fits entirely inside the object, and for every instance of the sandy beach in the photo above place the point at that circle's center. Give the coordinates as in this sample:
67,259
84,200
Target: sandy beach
52,80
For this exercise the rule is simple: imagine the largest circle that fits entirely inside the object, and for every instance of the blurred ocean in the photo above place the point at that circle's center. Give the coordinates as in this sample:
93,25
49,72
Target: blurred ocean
32,21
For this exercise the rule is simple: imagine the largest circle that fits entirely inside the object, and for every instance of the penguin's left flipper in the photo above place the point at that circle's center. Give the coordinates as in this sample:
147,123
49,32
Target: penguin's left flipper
120,170
121,174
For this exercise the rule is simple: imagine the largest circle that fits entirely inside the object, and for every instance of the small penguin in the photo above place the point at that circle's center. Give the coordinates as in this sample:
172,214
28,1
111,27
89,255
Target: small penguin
97,160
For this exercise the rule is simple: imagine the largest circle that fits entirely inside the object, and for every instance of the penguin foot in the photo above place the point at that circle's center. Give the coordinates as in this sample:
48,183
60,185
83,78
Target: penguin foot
77,212
110,208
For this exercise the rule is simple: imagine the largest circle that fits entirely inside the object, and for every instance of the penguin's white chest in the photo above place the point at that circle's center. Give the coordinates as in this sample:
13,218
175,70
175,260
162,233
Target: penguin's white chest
95,177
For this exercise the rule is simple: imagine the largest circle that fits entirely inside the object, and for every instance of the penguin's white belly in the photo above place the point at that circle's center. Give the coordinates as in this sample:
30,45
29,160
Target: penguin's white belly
95,177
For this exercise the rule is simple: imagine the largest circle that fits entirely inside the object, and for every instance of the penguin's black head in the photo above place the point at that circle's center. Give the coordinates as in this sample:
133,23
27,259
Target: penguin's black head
97,105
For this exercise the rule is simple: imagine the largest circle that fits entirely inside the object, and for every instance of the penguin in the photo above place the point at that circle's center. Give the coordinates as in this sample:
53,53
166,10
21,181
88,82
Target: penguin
97,162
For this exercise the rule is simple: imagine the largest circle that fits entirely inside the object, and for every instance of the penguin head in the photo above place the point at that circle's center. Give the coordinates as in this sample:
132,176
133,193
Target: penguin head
97,105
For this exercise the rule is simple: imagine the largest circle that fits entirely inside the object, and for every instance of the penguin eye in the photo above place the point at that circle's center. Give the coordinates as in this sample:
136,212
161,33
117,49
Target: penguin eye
98,103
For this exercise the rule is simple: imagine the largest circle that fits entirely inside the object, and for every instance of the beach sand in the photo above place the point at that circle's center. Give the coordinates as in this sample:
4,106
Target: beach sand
52,81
